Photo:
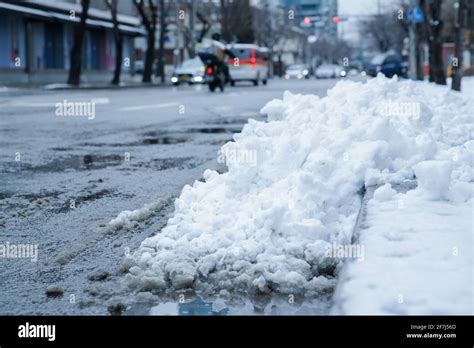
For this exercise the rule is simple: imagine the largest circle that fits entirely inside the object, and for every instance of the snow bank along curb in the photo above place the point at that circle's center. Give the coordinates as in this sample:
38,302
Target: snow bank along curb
418,256
268,227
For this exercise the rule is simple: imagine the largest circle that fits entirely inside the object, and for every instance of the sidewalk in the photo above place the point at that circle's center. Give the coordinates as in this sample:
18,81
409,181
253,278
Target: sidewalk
135,83
418,257
94,86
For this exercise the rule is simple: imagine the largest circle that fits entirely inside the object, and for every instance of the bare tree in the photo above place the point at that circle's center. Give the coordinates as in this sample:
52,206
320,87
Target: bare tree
226,33
205,13
118,38
433,26
236,21
268,28
420,41
385,31
74,77
161,49
330,51
149,13
189,27
268,24
206,26
459,42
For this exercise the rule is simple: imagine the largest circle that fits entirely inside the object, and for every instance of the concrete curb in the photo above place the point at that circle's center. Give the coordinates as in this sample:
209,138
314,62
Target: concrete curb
101,87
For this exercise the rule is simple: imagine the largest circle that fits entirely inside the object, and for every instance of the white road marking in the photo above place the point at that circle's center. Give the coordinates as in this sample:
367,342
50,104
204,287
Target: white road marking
150,106
52,104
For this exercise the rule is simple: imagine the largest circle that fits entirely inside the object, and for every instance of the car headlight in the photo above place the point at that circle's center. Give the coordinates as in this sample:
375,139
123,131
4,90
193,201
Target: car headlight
174,79
197,78
305,72
343,73
287,76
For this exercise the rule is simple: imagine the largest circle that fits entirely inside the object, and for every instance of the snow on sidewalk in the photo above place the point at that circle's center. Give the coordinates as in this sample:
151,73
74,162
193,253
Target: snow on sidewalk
418,257
291,192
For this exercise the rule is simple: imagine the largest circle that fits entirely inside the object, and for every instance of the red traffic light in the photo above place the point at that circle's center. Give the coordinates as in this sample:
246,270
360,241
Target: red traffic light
335,19
306,21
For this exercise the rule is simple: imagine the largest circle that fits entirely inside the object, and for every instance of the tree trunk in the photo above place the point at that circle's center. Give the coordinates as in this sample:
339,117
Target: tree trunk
149,56
192,25
427,32
225,34
437,74
118,38
419,52
148,15
74,77
204,28
118,59
161,54
459,42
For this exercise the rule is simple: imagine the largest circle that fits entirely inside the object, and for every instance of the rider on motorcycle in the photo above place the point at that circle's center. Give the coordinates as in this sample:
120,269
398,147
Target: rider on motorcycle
214,51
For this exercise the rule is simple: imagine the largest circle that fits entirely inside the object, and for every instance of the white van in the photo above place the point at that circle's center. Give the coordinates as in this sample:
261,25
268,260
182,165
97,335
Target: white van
249,64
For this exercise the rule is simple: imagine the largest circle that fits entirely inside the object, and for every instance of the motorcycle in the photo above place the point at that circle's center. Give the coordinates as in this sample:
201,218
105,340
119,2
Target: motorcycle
214,75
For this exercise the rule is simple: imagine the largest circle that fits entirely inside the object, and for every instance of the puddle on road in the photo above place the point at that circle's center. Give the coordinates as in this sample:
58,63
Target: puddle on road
230,121
170,138
164,138
62,149
209,130
214,130
163,141
196,306
167,163
78,162
274,304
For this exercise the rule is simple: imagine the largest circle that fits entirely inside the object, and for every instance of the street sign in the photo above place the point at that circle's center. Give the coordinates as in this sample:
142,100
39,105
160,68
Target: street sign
416,15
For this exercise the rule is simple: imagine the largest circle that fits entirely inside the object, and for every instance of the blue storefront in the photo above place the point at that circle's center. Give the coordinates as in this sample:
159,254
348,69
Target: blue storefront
35,45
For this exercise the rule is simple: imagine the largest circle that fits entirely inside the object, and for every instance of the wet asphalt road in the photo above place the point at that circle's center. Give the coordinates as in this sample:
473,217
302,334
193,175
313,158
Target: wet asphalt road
63,178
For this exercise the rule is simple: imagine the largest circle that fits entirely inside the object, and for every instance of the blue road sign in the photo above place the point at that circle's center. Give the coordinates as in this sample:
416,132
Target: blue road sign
415,15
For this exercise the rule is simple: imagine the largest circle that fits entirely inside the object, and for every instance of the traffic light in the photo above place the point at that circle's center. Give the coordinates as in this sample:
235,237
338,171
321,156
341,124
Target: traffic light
307,21
335,19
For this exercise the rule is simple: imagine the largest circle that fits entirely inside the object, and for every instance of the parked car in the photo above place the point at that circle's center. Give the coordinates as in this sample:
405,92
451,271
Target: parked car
139,64
326,71
388,63
250,63
353,72
190,71
140,67
297,71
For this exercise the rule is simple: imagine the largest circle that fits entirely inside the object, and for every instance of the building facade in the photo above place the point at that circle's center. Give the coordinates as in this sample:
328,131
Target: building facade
316,16
36,38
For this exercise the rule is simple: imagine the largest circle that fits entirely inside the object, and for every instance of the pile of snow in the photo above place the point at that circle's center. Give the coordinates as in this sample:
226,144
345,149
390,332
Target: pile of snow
467,84
130,218
267,225
384,193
